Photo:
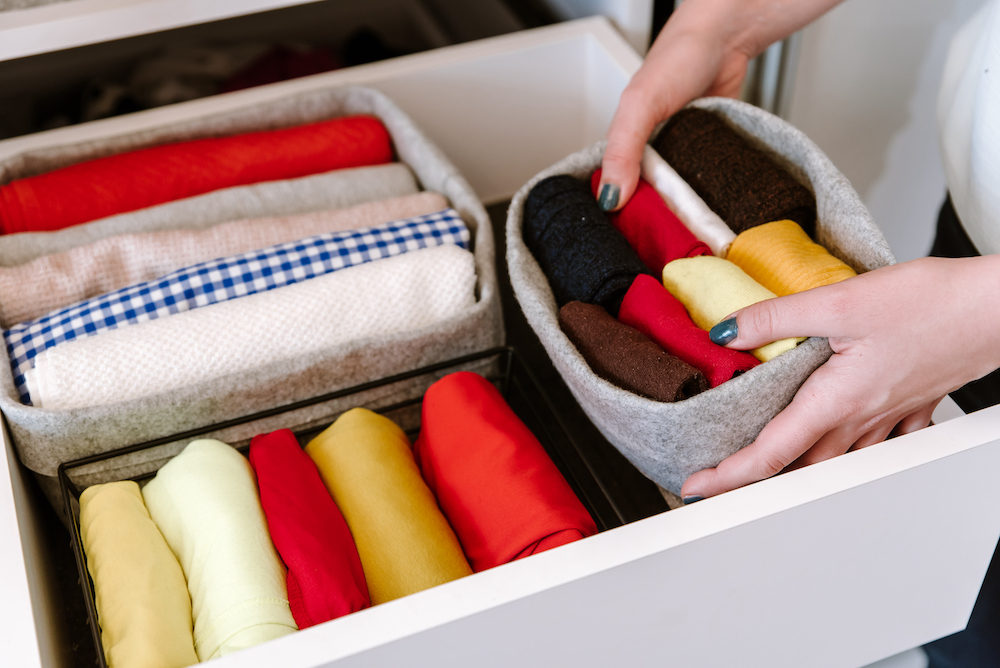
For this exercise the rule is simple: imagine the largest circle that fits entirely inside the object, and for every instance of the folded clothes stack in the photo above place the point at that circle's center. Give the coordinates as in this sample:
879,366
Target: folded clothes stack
175,285
217,554
719,222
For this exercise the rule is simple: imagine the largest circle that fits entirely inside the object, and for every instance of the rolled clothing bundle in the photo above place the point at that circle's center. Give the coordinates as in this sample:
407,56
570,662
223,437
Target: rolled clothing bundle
205,502
55,281
225,279
704,223
129,181
325,578
331,190
401,293
653,231
143,605
624,356
653,311
712,289
584,257
741,183
781,257
492,478
405,543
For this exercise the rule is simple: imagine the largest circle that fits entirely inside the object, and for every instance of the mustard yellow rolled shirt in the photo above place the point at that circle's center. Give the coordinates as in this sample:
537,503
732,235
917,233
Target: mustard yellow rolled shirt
781,257
405,543
142,599
712,289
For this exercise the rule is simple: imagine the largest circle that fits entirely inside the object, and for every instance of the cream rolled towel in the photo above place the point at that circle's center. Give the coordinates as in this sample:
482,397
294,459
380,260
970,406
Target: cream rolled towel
143,606
703,223
712,289
51,282
206,504
400,293
332,190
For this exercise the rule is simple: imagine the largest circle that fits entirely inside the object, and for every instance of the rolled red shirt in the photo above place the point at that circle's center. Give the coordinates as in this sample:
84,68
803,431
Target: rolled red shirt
500,491
325,578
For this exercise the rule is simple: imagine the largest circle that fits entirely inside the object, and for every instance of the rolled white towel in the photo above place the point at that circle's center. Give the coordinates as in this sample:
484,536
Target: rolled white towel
400,293
206,505
704,223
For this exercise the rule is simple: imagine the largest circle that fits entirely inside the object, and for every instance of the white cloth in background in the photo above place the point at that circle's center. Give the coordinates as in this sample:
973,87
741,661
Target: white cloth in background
206,505
681,198
401,293
968,112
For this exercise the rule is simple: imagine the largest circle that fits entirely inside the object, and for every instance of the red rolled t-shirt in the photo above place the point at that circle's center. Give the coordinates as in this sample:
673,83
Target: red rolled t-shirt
493,480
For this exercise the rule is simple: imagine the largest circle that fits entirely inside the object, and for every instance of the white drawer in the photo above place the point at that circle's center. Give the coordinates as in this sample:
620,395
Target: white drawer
840,564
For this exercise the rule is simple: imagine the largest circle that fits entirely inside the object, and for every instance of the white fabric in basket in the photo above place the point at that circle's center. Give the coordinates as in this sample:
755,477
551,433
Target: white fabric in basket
401,293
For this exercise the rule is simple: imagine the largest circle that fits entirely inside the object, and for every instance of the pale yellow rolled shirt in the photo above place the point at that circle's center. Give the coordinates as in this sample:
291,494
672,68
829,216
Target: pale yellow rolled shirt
404,541
712,289
55,281
781,257
206,504
142,600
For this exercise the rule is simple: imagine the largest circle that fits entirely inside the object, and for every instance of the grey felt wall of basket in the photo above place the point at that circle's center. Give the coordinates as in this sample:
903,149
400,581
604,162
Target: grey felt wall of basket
669,442
45,438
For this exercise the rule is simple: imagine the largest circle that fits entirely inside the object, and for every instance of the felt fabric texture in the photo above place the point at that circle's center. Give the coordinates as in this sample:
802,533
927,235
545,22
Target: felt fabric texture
51,282
45,438
325,578
657,314
781,257
585,258
233,277
135,180
206,505
681,198
712,289
653,231
332,190
625,356
405,543
670,441
495,483
142,599
396,294
737,180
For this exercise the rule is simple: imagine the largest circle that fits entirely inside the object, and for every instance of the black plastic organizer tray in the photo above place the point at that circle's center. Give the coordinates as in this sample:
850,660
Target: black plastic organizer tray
501,366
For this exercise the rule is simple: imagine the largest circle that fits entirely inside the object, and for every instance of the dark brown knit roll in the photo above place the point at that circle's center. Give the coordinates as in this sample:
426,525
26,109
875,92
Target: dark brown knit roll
625,357
742,184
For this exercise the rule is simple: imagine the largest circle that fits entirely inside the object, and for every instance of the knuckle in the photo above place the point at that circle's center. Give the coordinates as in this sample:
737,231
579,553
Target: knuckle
761,319
770,463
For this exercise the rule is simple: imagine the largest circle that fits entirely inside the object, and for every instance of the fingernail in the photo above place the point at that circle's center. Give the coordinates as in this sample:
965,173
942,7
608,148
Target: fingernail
724,332
609,197
688,500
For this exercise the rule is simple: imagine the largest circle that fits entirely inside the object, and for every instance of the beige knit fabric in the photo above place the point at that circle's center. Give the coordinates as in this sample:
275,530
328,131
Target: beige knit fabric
51,282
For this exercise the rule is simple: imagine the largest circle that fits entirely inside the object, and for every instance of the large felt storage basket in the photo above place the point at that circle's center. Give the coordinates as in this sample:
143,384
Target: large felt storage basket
501,366
46,438
670,441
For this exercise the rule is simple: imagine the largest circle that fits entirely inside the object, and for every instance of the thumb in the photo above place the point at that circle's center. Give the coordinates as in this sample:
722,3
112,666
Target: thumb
809,313
630,128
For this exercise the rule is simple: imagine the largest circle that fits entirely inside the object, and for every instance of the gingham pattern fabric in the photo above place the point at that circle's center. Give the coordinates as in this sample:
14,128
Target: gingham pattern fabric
227,278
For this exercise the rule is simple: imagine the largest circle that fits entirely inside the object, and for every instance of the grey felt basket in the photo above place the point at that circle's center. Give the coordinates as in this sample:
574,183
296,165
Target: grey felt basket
669,442
46,438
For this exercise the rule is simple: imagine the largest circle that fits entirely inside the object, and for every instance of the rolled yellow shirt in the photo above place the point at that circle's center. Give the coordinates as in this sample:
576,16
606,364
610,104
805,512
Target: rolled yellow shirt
206,504
405,543
142,599
781,257
712,289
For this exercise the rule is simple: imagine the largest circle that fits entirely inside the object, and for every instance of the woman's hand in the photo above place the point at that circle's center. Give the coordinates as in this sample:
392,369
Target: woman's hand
704,49
902,337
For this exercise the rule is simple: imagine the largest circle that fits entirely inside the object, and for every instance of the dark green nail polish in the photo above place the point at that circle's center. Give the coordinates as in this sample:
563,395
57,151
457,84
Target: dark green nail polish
724,332
688,500
609,197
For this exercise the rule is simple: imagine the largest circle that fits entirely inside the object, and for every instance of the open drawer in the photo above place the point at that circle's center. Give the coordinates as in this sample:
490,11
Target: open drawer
839,564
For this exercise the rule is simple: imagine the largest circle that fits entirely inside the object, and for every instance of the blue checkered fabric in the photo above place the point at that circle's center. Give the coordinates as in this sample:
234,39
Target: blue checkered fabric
227,278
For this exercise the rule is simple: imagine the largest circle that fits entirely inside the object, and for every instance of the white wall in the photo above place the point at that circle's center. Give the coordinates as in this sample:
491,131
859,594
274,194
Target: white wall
866,90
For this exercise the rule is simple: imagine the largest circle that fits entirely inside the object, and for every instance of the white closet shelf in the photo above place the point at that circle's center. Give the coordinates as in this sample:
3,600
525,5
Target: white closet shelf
65,25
